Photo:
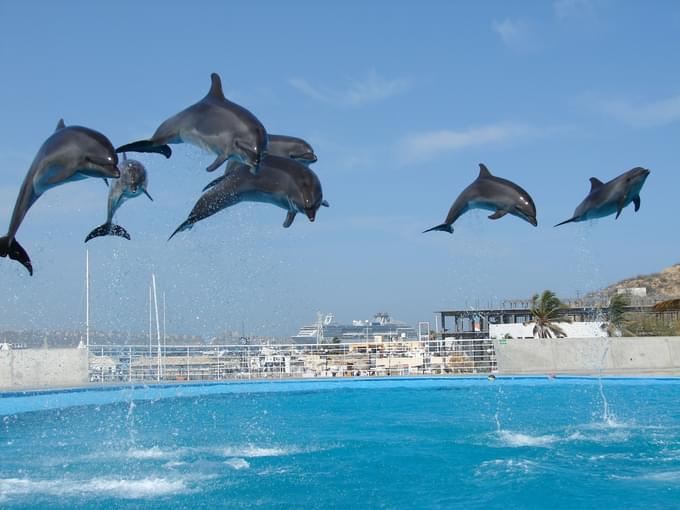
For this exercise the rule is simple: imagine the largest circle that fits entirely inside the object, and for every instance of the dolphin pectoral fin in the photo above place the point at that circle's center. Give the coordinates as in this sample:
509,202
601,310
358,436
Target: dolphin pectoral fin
215,182
570,220
619,207
325,203
184,226
108,229
16,252
218,161
289,219
444,227
146,146
636,201
106,181
498,214
147,194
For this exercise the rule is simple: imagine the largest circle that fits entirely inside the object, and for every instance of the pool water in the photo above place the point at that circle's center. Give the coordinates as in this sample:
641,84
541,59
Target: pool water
388,443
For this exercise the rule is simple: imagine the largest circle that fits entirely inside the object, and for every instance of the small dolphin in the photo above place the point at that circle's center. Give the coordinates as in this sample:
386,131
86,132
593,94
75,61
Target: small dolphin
131,183
611,197
492,194
278,145
283,182
291,147
70,154
214,123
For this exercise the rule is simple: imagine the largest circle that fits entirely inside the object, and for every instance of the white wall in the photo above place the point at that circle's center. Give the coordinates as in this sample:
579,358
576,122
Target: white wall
642,355
572,330
41,368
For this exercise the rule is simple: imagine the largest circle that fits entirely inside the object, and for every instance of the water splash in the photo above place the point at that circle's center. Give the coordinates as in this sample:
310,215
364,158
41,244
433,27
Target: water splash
130,421
608,417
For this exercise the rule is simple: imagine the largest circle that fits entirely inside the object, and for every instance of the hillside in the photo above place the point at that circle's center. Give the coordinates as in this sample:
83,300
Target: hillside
664,283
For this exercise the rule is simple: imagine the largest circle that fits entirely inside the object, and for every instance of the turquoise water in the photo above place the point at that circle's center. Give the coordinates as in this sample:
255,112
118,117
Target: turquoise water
389,443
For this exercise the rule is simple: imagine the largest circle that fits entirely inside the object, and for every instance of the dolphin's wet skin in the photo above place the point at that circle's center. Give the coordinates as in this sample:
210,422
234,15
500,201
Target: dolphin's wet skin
259,167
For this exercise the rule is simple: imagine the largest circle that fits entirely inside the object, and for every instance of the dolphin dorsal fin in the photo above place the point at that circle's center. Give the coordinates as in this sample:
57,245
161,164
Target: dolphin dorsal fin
595,183
216,86
483,171
60,125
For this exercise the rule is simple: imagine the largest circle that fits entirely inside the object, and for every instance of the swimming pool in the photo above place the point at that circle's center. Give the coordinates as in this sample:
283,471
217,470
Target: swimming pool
388,443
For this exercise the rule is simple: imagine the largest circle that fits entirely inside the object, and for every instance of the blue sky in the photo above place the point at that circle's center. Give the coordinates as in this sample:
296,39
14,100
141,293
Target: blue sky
401,101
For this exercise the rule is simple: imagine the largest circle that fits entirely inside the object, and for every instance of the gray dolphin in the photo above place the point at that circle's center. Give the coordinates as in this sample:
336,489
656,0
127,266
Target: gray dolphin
283,182
70,154
492,194
214,123
279,145
132,182
611,197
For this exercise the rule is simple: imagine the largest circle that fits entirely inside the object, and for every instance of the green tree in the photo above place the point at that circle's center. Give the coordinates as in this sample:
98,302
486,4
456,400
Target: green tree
546,312
618,324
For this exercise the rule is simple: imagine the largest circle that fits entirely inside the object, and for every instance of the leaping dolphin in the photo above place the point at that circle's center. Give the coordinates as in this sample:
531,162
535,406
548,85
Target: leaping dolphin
611,197
492,194
70,154
291,147
215,124
278,145
283,182
132,182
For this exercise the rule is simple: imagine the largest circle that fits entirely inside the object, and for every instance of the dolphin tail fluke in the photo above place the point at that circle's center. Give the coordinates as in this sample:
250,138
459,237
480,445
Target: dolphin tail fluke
108,229
570,220
444,227
16,252
146,146
184,226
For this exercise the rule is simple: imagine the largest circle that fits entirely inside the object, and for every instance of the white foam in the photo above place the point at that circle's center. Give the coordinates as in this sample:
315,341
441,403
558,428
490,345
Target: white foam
605,436
517,439
237,463
173,464
114,487
151,453
662,476
250,451
498,467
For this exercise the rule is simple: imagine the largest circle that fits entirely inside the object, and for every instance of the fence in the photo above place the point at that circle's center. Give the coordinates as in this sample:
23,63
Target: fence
123,363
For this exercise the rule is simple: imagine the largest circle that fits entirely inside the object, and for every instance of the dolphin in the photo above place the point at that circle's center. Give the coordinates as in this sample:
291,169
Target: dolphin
283,182
214,123
278,145
291,147
70,154
492,194
131,183
611,197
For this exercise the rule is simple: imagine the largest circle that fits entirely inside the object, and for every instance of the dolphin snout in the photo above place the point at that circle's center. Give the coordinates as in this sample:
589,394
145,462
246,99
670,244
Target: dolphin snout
311,214
533,221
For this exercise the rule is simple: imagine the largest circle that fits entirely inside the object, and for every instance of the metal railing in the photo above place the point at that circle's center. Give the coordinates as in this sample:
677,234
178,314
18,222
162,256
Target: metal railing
126,363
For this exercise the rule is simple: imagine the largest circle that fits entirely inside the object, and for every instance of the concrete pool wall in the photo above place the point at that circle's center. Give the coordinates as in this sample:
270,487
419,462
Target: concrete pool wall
615,356
42,368
52,368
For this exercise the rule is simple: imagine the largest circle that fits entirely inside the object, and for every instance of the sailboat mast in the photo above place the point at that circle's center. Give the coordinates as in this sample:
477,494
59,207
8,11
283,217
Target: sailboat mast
165,337
87,298
150,320
158,327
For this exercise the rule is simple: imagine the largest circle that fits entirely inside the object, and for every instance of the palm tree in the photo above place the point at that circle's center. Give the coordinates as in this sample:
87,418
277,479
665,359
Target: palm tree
545,311
618,320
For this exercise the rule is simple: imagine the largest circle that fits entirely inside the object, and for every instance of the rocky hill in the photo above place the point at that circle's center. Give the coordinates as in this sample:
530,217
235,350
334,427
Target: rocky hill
665,283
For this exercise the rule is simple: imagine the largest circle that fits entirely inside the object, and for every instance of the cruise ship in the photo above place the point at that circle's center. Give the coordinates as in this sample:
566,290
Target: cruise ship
379,329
